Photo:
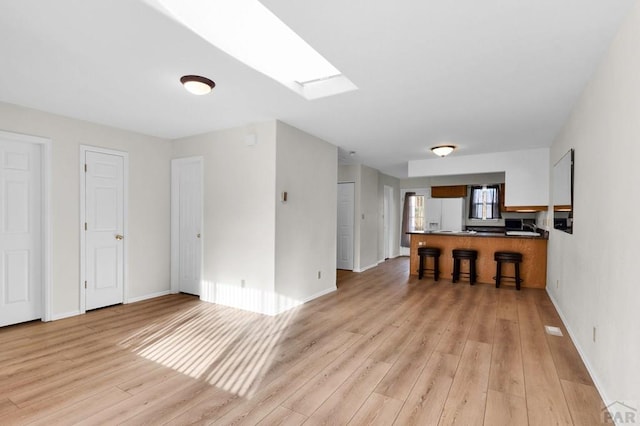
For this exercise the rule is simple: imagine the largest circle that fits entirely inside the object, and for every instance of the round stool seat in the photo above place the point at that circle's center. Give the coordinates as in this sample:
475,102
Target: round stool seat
428,251
507,256
465,254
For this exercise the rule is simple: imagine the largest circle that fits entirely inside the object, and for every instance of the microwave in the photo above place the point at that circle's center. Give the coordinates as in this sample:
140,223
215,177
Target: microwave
513,224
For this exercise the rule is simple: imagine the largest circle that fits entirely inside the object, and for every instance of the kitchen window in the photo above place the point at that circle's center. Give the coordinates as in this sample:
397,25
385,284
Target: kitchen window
484,202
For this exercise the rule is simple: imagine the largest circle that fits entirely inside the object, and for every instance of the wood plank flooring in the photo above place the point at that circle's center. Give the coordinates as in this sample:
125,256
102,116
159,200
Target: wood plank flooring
386,348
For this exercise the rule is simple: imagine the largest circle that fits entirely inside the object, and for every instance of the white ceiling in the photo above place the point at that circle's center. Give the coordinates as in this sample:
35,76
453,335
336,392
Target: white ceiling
491,75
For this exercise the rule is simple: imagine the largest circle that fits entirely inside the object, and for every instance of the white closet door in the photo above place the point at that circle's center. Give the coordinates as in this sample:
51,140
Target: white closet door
187,211
346,206
20,232
104,213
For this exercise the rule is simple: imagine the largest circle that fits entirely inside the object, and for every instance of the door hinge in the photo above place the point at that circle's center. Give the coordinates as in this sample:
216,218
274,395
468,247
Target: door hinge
85,226
85,168
85,284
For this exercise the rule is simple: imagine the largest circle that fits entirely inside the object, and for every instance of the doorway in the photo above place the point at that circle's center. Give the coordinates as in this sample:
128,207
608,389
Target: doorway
103,208
345,237
186,225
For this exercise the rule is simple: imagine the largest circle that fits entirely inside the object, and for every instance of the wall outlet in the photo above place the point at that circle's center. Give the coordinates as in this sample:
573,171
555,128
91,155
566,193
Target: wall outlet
319,274
594,334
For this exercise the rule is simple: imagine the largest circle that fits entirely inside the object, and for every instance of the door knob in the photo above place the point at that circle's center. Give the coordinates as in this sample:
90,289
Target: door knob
198,236
119,237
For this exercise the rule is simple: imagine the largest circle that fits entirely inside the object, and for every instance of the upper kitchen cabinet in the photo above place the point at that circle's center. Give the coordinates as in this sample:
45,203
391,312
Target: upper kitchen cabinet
518,208
452,191
527,181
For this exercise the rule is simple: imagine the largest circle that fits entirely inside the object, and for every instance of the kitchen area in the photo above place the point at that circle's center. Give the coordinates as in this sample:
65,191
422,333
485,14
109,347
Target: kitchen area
474,216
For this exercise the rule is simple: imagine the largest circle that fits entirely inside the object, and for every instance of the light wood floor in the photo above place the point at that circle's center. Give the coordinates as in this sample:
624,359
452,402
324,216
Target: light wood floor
384,349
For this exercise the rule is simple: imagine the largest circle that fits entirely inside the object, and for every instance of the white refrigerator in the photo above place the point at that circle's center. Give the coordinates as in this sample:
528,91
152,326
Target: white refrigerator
445,214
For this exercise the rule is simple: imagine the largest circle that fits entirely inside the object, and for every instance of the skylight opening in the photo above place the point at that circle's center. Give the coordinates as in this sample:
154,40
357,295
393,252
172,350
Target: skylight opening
318,80
251,33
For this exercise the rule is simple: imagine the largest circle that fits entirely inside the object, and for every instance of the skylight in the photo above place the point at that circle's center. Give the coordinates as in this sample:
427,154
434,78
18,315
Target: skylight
248,31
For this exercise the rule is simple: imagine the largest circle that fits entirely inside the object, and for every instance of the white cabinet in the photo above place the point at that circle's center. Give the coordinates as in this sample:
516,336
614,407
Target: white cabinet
528,185
446,214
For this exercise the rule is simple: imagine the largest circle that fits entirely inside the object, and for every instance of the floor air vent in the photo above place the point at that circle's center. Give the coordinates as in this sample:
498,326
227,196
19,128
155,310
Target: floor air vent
554,331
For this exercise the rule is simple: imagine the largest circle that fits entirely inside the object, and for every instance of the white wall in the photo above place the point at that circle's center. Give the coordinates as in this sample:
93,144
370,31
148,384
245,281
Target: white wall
307,168
596,267
368,218
239,212
526,172
465,179
149,201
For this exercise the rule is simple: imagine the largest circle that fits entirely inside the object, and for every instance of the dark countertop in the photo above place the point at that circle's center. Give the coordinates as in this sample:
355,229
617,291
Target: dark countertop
544,235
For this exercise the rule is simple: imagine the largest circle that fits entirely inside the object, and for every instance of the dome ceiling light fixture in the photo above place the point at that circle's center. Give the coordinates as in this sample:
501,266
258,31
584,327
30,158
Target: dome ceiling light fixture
197,85
443,150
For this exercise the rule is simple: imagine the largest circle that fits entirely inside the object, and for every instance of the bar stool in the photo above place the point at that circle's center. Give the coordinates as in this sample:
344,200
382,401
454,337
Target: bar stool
508,257
425,252
458,256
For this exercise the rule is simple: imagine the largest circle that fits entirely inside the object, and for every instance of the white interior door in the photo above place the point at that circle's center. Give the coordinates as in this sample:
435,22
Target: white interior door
346,206
104,229
186,219
20,232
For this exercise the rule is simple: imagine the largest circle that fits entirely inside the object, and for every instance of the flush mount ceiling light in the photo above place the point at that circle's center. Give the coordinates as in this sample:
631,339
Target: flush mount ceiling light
197,85
443,150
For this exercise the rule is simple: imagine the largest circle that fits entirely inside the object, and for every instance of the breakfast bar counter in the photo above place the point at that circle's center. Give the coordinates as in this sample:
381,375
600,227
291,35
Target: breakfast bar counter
533,269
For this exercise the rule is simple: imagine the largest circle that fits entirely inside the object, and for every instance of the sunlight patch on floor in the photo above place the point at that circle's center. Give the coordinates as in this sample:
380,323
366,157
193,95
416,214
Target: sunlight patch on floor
228,348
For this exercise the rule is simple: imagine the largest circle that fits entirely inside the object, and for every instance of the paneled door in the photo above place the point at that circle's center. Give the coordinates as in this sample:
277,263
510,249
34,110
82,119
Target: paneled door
104,229
186,218
346,206
20,232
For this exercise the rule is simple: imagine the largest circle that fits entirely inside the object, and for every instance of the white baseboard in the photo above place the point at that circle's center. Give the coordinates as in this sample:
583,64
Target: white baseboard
254,300
389,258
581,352
147,296
365,268
56,317
320,294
